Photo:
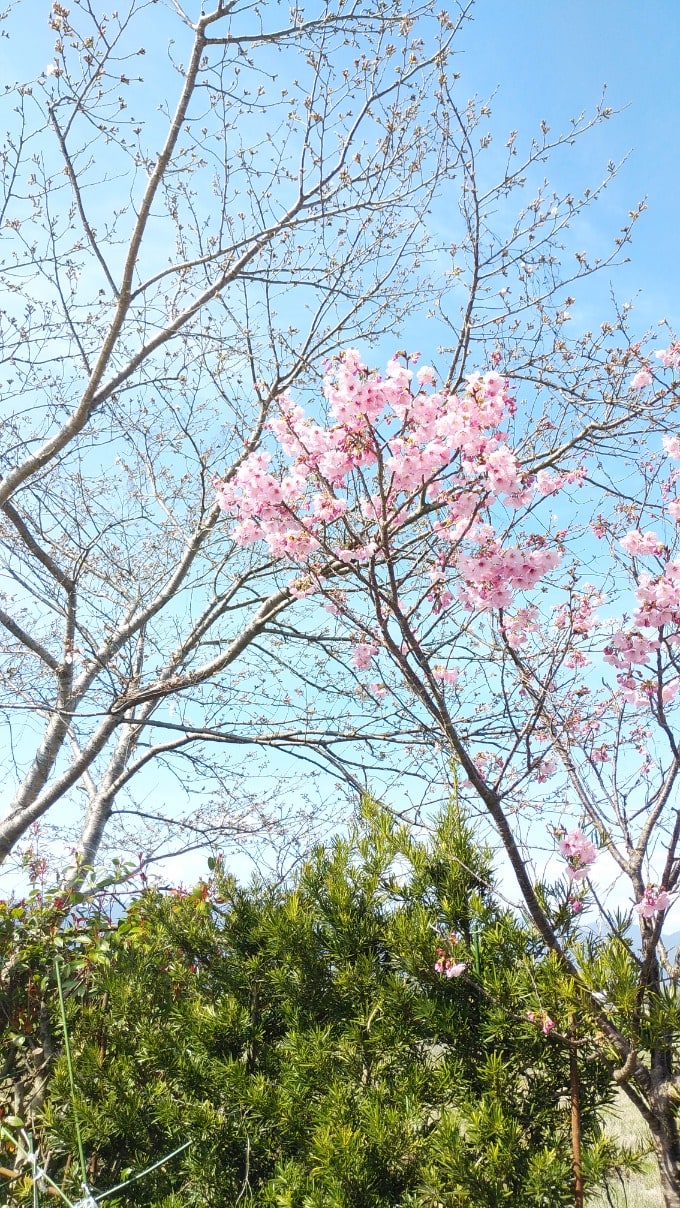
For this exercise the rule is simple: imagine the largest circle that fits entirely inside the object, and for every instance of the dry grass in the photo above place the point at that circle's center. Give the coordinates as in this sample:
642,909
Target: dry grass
641,1190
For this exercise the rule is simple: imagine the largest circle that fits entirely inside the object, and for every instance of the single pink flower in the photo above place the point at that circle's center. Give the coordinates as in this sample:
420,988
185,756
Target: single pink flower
653,901
642,378
456,970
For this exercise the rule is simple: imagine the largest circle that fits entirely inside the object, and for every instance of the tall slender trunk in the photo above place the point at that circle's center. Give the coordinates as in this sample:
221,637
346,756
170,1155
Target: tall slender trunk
575,1098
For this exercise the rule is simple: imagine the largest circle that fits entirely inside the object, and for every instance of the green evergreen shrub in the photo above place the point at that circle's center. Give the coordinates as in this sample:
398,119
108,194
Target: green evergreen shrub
300,1037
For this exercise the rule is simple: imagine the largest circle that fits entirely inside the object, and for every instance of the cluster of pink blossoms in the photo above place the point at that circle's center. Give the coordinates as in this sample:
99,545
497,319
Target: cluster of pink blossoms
670,359
579,852
658,596
516,629
657,615
636,542
395,450
363,655
547,1024
445,963
653,901
448,675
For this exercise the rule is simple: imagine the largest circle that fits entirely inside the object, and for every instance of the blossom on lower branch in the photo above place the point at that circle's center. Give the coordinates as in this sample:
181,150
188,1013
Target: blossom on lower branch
547,1024
445,963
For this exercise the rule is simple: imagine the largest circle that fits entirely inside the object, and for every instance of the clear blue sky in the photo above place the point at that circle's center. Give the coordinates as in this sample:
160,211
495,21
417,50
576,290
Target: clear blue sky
549,60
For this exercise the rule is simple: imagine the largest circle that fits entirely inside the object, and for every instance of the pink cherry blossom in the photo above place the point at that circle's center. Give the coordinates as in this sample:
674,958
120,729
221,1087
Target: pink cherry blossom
363,655
359,553
641,379
579,852
579,614
545,769
636,542
547,1024
302,587
548,484
456,970
625,649
426,375
669,357
653,901
517,629
659,598
363,475
448,675
446,965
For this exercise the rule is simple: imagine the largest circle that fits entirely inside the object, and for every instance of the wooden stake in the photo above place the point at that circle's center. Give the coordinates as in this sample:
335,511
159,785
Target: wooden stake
575,1096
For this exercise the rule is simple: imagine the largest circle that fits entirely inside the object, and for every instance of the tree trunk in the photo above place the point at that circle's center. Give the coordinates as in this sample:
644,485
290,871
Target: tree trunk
666,1147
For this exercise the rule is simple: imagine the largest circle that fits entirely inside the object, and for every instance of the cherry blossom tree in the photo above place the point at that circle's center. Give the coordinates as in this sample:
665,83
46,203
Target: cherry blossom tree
512,598
193,219
470,572
163,199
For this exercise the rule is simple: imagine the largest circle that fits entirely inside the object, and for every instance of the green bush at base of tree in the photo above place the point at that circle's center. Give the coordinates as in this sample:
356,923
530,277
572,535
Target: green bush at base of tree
301,1038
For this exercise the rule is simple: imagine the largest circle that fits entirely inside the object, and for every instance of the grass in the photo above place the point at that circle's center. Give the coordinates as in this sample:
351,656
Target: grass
638,1190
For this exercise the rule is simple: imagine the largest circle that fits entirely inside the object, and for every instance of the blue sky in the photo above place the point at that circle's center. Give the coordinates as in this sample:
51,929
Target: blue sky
550,60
